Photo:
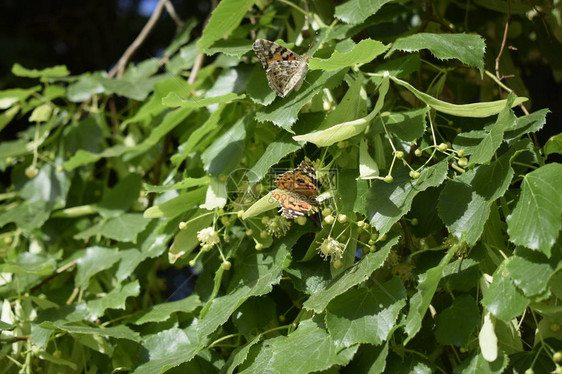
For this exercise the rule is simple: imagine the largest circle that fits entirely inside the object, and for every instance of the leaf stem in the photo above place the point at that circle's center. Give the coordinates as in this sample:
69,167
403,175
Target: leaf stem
294,6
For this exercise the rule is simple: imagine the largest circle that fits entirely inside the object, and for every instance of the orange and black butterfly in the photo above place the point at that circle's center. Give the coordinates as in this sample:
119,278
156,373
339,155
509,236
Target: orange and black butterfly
297,190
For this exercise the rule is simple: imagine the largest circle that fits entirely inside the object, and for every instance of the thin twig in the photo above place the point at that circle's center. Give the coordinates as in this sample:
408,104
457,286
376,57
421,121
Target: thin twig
195,69
201,56
119,68
172,11
55,274
505,30
499,83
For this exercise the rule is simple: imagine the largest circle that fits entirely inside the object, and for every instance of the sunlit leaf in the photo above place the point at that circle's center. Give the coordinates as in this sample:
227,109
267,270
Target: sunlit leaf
365,51
537,218
467,48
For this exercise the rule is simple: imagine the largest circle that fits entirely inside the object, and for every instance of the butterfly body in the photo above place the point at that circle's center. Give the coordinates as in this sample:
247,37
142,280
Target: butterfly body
285,70
297,190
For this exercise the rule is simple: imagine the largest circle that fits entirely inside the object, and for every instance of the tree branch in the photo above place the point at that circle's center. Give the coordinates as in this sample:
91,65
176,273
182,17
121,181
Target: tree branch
505,30
119,68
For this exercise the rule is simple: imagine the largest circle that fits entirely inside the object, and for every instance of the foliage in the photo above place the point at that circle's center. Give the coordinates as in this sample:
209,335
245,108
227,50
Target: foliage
440,216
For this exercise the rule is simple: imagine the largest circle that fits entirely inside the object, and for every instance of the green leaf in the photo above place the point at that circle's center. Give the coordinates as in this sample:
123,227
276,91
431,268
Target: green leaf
216,196
408,125
488,340
125,228
6,326
388,202
368,167
264,204
87,86
224,19
478,364
239,355
162,312
82,157
476,110
537,218
553,145
419,303
57,360
345,130
284,112
352,276
399,66
278,148
178,205
29,263
49,185
527,124
255,273
171,120
94,260
352,106
462,274
53,72
357,11
369,359
258,89
121,196
464,203
502,298
12,96
185,183
173,100
7,116
467,48
365,315
531,271
365,51
118,332
230,47
167,349
456,323
186,240
256,314
113,300
42,113
27,215
136,83
200,137
225,153
483,144
316,352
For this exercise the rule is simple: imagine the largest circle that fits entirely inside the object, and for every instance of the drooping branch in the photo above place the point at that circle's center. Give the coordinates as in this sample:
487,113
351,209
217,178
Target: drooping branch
119,68
504,39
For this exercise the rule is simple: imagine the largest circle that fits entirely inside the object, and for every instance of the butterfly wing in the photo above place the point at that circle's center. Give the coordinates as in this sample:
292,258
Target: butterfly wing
301,180
292,204
285,69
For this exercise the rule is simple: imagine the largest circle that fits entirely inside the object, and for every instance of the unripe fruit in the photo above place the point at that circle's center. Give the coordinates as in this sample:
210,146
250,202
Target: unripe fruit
31,171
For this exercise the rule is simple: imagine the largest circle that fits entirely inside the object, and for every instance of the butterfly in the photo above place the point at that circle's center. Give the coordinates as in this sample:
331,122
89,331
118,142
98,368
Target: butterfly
285,70
297,190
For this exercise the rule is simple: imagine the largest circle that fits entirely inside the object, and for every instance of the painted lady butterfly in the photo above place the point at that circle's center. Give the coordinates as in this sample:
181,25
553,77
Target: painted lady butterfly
285,70
297,190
